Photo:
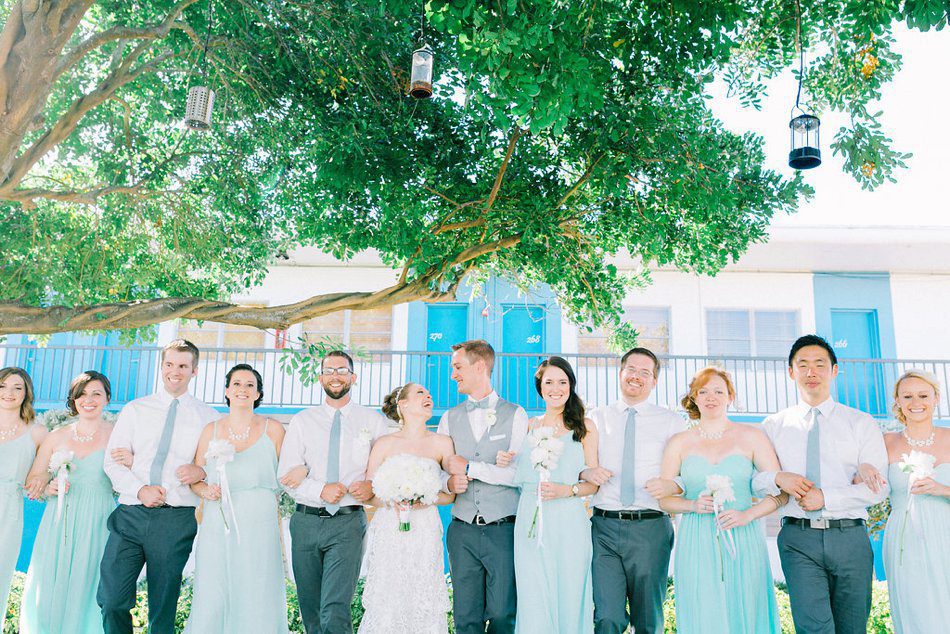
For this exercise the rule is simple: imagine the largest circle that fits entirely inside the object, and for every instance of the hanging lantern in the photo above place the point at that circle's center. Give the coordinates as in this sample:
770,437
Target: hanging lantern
806,152
198,108
420,78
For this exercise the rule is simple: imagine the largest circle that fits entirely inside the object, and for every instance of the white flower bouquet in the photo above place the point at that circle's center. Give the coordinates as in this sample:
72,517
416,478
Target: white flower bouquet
720,488
404,479
59,465
544,450
918,465
218,455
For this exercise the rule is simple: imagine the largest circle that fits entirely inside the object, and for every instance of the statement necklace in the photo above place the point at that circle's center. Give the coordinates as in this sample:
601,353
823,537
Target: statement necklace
244,435
709,435
7,434
926,442
80,438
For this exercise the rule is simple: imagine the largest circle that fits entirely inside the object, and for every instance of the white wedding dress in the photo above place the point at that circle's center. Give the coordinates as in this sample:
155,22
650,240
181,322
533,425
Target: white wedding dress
405,591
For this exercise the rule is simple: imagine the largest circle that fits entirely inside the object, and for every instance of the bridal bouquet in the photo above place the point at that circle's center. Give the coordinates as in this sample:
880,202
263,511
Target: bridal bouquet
59,465
219,454
404,479
720,488
545,451
918,465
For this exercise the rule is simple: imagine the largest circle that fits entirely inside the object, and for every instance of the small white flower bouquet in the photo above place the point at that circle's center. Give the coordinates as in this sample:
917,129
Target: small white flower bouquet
405,479
218,455
720,488
491,417
59,465
918,465
545,451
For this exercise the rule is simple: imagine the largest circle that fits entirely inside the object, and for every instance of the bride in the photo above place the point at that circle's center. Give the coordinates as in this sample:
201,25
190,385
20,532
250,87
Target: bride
405,589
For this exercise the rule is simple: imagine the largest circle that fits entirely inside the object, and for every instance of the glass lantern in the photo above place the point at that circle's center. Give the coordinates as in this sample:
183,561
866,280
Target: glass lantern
198,108
806,152
420,79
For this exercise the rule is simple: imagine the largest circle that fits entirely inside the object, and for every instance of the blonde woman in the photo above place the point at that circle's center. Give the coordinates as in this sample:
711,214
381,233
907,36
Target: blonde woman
916,548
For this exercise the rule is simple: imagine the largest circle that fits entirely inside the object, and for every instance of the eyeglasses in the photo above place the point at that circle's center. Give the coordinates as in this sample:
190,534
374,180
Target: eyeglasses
332,371
643,374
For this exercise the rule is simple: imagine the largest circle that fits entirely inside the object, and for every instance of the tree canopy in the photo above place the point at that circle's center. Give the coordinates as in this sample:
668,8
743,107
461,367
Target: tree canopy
560,134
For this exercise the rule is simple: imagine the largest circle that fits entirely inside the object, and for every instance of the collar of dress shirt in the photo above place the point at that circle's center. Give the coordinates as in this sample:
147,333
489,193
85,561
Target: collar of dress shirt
344,411
492,398
167,398
825,407
621,406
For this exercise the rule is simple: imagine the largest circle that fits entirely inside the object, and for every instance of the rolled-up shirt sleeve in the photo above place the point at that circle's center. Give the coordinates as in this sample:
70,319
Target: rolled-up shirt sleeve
292,454
871,451
124,481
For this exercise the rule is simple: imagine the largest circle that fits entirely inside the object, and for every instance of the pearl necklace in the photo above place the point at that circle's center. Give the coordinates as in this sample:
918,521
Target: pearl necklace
80,438
239,437
926,442
7,434
709,435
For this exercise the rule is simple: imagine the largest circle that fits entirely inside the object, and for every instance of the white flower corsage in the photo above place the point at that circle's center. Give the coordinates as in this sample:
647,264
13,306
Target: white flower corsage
365,436
490,417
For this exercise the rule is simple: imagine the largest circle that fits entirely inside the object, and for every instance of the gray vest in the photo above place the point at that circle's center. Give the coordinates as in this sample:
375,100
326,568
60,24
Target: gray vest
491,501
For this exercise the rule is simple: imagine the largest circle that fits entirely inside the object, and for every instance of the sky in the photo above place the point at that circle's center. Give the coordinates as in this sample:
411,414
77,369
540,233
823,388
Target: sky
915,106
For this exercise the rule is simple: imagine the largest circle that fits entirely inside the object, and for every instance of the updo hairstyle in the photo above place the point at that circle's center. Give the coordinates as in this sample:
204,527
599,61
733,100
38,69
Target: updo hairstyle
391,402
699,381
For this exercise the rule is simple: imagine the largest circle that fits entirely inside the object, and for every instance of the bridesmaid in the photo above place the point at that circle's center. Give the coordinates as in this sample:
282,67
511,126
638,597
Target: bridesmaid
239,571
552,565
916,550
720,589
19,438
60,592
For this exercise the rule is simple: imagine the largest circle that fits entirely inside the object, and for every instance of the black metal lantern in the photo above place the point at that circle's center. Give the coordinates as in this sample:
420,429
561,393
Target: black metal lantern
200,103
806,151
420,77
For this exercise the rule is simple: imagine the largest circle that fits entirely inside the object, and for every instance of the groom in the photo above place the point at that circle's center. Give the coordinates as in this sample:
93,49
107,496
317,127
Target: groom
154,523
480,539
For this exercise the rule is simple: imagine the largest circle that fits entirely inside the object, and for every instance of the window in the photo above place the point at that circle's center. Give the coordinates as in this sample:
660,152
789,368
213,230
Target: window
653,324
211,334
764,333
366,329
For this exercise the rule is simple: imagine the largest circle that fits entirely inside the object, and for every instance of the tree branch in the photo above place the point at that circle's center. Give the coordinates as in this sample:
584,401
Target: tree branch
515,135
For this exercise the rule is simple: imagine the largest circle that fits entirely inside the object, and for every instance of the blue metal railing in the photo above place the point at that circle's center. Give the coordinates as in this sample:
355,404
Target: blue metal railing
762,383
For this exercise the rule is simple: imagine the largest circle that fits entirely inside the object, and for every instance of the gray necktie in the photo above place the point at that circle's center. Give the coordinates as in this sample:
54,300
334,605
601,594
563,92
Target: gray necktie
628,485
333,457
813,455
158,463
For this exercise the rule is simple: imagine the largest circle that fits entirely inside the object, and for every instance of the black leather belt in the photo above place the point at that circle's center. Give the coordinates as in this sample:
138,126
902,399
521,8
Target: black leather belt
480,521
629,515
319,511
821,524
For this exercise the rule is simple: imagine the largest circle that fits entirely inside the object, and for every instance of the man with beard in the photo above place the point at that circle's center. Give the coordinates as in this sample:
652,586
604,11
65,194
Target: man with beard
323,467
632,536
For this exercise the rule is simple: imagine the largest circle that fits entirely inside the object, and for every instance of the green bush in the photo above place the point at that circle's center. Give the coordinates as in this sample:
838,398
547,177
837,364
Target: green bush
879,623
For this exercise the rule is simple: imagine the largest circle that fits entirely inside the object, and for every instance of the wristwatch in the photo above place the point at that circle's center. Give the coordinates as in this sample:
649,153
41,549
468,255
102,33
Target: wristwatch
575,489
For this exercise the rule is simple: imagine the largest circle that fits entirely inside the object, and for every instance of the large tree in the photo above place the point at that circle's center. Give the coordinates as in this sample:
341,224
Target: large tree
560,134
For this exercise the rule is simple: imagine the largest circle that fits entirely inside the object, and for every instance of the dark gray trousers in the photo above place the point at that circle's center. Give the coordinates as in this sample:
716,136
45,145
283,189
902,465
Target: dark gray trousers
482,562
631,564
828,573
326,555
160,537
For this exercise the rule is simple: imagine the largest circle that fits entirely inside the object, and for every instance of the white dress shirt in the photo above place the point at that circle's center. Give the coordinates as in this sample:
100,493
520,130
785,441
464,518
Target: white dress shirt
479,420
654,426
847,438
308,440
139,429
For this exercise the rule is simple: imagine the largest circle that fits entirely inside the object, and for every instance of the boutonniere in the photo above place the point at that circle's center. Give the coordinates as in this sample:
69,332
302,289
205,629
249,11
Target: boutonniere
365,436
491,417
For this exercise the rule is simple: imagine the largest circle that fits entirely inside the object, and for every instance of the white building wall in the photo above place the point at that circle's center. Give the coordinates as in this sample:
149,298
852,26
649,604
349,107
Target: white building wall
921,307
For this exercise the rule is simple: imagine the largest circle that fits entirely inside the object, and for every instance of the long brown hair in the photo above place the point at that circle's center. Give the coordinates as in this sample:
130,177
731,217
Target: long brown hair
27,413
574,407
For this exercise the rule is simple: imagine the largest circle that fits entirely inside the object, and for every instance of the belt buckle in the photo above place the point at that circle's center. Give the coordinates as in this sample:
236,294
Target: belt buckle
820,523
480,521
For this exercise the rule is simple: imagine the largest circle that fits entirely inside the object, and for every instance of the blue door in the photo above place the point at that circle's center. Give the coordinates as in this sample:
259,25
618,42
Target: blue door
446,325
523,335
131,370
855,339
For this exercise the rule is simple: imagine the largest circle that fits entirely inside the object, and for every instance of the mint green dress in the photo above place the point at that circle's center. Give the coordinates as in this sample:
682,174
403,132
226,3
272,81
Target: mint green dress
16,458
239,585
553,577
918,580
60,592
716,593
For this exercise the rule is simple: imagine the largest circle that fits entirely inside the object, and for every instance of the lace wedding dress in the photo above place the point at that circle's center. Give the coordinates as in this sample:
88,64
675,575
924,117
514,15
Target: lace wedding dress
405,591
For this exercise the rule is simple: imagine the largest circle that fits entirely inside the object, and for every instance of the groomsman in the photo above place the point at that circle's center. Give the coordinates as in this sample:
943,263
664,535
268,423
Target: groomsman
154,523
823,544
632,536
323,467
480,538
